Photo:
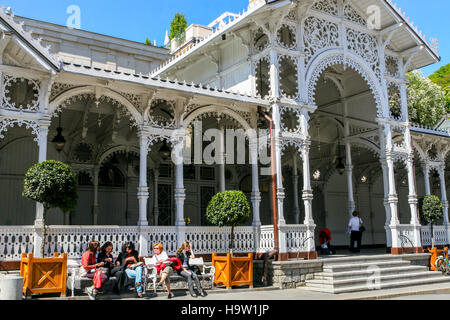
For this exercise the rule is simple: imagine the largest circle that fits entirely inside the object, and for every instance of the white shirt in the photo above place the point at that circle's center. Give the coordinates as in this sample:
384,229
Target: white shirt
156,259
354,223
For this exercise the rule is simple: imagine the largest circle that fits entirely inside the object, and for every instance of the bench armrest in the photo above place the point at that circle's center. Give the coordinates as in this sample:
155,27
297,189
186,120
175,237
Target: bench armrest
209,270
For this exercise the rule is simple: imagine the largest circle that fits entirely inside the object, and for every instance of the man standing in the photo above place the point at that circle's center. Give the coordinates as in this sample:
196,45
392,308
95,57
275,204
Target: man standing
354,227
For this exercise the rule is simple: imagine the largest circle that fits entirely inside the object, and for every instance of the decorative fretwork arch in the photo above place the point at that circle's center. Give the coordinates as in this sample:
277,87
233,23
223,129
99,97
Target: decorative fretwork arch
131,109
187,119
118,150
335,56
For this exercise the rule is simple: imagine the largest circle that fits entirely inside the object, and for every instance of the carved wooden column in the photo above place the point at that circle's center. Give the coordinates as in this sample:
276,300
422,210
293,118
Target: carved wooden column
256,195
155,197
441,171
295,181
426,178
143,187
349,171
95,210
221,163
180,192
44,124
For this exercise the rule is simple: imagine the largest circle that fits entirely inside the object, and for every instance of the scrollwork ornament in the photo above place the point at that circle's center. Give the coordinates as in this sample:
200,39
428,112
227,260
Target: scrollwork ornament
8,103
327,6
319,35
29,124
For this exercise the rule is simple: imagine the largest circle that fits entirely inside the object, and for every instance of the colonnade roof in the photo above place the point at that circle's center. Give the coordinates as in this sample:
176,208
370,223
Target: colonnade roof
409,36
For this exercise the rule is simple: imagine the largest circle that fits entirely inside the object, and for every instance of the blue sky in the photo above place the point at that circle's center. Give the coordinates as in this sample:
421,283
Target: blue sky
150,18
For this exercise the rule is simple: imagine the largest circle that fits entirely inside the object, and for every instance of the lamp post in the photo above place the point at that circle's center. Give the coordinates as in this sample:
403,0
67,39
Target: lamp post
59,139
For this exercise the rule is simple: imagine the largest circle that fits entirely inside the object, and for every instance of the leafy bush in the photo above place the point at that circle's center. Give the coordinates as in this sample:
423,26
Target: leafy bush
53,184
178,25
431,210
228,209
426,100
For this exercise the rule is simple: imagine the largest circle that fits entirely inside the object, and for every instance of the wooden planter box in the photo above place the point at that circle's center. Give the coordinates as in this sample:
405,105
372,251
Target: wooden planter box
233,271
44,275
435,253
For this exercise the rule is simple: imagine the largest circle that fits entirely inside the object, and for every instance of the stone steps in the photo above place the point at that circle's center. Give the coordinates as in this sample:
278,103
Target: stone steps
364,273
327,275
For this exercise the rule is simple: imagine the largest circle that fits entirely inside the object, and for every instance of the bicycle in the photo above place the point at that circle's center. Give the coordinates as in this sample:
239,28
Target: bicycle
443,264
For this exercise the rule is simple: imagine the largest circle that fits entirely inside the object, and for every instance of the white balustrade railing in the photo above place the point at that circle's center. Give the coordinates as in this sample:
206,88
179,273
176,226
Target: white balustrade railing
440,235
296,237
206,240
14,241
266,239
167,236
73,240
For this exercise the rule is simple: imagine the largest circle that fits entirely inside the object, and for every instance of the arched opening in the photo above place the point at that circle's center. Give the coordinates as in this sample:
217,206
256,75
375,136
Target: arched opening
344,155
91,125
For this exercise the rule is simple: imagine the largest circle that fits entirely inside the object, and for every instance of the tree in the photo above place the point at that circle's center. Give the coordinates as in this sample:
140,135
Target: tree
178,25
53,184
431,210
442,78
426,100
228,209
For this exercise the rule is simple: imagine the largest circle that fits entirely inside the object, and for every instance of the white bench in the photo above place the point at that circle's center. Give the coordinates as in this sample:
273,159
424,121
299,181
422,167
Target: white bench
73,271
151,273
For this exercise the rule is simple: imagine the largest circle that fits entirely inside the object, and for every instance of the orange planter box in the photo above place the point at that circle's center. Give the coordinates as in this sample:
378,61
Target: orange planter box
44,275
233,271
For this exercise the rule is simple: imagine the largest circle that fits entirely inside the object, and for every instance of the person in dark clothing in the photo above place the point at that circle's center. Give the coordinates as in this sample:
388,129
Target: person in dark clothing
187,271
129,274
105,256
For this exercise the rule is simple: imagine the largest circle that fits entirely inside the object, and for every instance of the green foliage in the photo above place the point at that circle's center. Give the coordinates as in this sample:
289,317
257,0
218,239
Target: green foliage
442,78
178,25
228,209
148,42
426,100
431,209
53,184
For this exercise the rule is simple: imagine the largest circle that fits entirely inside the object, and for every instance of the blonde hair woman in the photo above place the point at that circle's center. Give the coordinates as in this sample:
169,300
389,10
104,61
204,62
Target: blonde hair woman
187,271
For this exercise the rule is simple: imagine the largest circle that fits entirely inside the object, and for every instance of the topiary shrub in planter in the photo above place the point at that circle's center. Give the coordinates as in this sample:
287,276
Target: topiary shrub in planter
431,210
53,184
230,209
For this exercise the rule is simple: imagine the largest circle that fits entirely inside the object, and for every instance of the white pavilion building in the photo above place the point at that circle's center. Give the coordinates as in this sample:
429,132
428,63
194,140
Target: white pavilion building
330,75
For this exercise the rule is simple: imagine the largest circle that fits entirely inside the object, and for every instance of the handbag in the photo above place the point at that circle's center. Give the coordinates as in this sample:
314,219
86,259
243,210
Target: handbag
361,227
97,281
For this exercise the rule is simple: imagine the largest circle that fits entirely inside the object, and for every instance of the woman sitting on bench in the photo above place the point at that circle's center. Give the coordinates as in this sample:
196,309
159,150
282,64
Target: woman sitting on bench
159,259
187,271
91,269
129,260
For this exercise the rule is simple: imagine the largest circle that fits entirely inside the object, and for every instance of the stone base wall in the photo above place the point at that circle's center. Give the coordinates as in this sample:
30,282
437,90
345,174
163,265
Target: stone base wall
292,274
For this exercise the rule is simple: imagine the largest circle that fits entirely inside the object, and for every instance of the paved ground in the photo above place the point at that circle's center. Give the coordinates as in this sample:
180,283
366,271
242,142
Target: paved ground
428,292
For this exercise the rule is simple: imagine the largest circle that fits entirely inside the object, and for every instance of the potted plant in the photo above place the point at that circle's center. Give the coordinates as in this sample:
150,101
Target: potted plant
431,210
53,184
230,209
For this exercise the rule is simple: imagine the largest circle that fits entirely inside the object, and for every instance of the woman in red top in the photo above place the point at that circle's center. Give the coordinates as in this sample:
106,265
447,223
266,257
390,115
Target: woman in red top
88,262
325,241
